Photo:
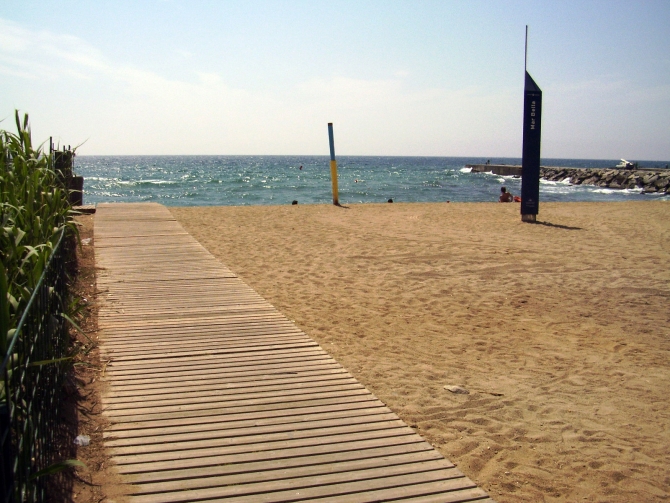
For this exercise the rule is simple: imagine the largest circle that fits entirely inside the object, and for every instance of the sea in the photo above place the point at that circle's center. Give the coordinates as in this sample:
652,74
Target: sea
277,180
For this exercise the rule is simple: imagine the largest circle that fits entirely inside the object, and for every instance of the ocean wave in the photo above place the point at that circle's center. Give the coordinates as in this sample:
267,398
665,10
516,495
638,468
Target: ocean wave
607,190
555,182
99,178
111,194
558,190
145,183
158,182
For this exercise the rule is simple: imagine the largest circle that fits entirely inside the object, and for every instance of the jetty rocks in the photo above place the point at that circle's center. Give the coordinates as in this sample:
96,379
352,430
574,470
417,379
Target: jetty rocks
647,180
650,181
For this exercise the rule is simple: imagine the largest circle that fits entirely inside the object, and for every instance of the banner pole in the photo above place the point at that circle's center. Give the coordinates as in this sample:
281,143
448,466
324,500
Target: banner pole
333,165
530,157
525,54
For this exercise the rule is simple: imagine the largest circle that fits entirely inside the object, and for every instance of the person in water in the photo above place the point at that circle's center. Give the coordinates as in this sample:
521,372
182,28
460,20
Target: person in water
505,197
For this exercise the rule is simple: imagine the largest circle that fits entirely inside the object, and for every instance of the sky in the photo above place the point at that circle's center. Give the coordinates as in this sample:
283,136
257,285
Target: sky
417,78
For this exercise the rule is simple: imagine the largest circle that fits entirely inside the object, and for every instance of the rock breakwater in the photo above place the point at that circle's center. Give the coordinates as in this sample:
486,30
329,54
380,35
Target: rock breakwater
649,181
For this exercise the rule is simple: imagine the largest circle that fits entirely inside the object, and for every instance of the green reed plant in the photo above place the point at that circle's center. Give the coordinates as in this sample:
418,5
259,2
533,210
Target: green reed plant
34,210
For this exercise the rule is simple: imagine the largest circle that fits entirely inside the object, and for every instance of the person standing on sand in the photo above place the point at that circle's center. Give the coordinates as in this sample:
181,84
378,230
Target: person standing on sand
505,197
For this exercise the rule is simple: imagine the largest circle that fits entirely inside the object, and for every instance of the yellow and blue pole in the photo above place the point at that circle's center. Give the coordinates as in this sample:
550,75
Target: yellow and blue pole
333,164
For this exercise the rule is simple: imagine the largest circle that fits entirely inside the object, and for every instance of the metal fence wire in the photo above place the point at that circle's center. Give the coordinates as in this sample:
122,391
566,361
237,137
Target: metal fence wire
32,380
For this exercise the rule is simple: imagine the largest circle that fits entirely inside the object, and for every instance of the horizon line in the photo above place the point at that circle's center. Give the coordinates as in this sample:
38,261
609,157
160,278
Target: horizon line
362,155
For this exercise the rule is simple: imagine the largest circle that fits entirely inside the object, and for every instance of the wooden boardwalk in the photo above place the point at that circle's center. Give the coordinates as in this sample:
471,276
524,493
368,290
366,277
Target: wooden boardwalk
215,396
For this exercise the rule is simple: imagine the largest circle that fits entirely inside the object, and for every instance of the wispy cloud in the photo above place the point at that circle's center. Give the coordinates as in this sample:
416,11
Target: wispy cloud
373,116
43,54
124,108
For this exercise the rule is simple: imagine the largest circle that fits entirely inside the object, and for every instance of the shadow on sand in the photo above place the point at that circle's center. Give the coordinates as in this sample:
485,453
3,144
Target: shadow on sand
557,226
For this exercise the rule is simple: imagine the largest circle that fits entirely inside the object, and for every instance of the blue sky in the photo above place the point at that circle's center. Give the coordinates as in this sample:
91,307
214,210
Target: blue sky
396,78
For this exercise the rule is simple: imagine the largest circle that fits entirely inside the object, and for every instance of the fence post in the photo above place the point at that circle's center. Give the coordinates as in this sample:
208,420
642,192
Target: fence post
64,165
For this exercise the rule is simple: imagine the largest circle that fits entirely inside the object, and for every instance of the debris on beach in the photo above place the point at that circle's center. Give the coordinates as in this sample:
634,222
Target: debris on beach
82,440
459,390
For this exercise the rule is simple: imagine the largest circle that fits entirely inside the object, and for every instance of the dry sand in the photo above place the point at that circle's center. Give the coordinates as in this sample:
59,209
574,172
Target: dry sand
559,330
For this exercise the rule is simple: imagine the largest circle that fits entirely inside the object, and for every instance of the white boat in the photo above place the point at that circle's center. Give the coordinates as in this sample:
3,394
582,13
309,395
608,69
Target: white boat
624,164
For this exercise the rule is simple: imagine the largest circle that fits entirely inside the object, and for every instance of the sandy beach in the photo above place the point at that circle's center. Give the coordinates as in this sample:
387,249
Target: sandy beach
560,330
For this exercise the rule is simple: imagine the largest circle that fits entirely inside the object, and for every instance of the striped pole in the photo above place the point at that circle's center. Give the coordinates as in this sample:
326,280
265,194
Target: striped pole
333,164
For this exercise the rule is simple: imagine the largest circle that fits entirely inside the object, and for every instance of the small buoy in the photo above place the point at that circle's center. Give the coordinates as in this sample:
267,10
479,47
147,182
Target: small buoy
390,200
294,202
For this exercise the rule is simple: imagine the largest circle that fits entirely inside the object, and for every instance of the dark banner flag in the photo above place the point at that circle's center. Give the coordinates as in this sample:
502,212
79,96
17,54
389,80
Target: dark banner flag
530,163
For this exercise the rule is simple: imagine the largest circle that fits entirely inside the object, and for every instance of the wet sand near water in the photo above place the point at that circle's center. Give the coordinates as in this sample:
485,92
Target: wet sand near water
560,330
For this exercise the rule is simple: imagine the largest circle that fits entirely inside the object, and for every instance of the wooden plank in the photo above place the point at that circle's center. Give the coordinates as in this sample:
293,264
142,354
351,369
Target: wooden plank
437,492
258,447
175,327
203,372
308,358
219,388
400,481
277,406
239,336
246,418
214,395
197,443
450,497
260,342
395,453
230,319
270,424
219,430
408,442
232,399
248,402
256,379
308,355
288,477
230,354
